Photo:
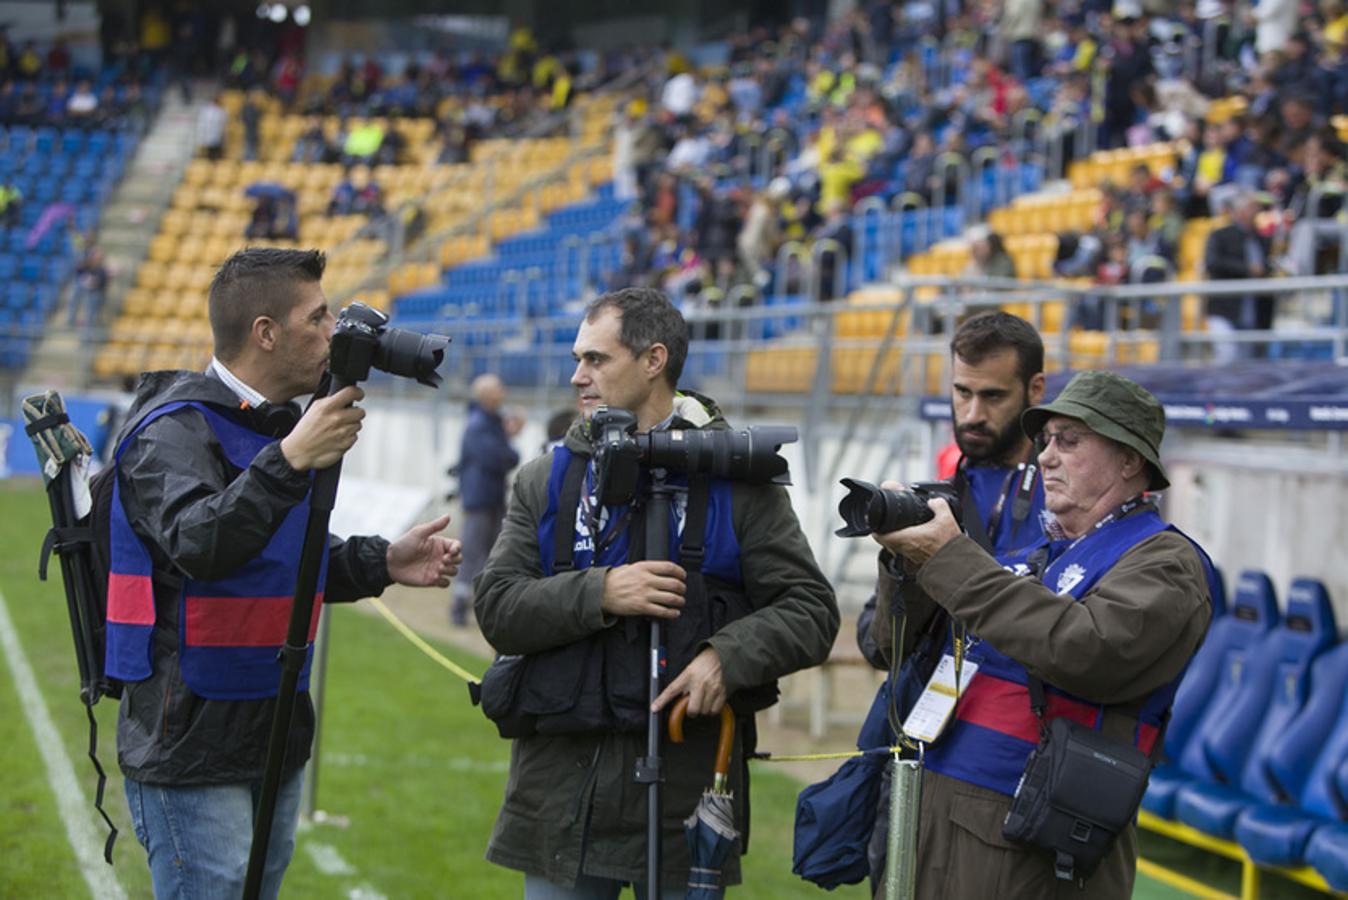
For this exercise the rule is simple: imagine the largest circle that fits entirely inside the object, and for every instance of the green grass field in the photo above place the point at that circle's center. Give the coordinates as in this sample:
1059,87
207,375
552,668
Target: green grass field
410,769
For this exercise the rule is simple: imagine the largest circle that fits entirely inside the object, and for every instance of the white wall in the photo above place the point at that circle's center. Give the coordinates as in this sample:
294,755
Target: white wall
1280,509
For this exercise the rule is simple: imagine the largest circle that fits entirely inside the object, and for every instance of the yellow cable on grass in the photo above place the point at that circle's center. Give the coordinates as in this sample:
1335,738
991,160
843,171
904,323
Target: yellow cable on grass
421,645
406,631
815,757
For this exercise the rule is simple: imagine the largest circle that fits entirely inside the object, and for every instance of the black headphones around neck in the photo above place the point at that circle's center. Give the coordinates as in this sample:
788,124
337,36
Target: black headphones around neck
272,419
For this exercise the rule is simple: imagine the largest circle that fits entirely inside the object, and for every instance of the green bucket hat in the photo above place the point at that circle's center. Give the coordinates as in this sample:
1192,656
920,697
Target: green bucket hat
1113,406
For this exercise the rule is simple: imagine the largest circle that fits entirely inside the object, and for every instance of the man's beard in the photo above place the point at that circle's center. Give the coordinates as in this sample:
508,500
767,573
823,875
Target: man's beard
1001,446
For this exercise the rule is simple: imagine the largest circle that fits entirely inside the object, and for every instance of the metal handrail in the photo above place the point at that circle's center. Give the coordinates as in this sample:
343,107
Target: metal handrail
914,201
1020,125
978,162
1211,45
786,146
868,206
868,391
944,163
565,249
816,283
753,146
786,252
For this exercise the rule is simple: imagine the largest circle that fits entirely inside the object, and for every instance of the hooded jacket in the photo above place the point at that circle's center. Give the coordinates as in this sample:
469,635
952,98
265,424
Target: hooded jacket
201,517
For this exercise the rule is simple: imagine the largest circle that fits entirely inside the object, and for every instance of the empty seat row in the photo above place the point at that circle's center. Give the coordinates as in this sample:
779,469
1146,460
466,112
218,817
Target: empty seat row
1258,738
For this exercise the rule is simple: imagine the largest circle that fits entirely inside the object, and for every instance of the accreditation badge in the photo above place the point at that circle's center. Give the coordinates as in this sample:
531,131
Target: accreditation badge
932,711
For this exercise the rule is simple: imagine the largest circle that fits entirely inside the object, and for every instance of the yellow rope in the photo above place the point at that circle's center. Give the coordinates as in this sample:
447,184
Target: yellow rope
406,631
813,757
421,645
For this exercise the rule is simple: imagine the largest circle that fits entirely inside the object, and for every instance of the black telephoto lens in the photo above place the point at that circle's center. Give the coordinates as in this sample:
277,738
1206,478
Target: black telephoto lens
868,508
411,355
750,455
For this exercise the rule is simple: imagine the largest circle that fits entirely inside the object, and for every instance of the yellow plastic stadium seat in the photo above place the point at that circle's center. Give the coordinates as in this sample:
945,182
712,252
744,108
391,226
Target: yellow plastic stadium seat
780,369
165,304
1053,315
150,275
852,367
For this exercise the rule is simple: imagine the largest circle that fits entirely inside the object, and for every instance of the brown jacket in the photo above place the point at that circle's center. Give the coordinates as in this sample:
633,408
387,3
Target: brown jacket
1132,633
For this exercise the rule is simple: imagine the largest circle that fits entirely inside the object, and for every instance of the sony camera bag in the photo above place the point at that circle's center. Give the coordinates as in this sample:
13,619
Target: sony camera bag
1079,791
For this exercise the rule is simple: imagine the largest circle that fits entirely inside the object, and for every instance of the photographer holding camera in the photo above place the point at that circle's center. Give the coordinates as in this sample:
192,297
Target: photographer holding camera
567,584
1078,641
208,514
997,372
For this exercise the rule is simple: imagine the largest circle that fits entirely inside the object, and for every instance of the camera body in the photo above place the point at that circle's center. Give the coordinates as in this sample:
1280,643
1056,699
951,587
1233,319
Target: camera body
867,508
362,340
620,453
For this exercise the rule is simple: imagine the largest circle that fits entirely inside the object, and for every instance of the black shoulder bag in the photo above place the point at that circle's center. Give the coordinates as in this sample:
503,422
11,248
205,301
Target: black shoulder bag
1079,791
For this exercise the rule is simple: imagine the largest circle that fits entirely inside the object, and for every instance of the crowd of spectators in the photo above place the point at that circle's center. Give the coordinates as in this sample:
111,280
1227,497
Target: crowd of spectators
470,96
42,86
800,123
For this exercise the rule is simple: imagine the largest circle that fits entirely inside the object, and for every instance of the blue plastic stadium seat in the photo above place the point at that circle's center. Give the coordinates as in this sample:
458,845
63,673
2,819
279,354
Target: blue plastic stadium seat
1327,851
72,141
1303,764
17,296
1273,690
1209,683
44,141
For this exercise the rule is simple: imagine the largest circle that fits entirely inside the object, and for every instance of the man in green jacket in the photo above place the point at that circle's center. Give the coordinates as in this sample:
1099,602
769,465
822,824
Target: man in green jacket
574,818
1105,612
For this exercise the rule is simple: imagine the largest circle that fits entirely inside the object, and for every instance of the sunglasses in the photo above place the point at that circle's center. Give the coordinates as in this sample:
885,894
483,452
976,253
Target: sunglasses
1068,439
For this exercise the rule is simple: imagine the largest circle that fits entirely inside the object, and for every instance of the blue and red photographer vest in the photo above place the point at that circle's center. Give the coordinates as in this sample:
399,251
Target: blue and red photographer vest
229,630
722,559
599,684
994,729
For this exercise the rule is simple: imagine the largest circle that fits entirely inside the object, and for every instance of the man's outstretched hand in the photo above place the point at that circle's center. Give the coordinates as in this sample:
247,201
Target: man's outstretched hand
423,557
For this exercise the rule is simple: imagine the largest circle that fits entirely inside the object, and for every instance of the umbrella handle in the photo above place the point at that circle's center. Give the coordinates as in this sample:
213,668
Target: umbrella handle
724,744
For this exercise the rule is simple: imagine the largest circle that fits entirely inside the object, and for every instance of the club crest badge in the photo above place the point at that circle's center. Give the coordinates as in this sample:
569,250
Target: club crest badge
1070,577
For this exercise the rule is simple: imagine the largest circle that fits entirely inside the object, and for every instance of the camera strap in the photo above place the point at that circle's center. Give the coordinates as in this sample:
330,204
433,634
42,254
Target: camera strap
1018,486
693,544
563,527
973,523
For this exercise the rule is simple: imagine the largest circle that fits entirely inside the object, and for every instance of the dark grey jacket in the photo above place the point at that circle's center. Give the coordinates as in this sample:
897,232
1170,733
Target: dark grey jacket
200,516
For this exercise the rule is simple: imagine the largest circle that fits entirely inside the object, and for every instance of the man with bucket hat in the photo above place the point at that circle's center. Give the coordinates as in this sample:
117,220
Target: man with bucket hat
1097,622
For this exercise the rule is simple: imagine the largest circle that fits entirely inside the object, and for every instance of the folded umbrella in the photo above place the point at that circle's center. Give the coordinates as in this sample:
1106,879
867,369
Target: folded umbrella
711,828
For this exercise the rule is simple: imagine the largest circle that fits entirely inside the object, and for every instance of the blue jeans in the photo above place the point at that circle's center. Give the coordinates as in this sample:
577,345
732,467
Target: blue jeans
590,888
198,837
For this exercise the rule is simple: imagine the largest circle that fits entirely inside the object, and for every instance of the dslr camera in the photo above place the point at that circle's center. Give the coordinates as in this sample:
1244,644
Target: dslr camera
362,340
867,508
620,453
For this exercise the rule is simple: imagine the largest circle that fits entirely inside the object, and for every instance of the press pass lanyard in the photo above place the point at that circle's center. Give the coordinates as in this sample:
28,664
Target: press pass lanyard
1018,485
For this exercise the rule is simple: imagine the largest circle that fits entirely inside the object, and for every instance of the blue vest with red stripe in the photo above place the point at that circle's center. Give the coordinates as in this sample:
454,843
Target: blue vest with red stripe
230,629
722,559
994,729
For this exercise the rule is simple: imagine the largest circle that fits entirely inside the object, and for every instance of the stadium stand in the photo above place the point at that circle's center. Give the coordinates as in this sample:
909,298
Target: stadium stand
57,168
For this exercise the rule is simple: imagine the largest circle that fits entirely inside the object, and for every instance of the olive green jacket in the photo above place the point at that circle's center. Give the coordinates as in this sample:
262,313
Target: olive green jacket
571,804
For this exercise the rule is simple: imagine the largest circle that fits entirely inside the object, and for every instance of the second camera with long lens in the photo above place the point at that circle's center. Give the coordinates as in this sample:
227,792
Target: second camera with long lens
751,456
869,509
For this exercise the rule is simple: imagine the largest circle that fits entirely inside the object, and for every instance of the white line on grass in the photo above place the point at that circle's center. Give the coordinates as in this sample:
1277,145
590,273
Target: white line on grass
75,807
327,859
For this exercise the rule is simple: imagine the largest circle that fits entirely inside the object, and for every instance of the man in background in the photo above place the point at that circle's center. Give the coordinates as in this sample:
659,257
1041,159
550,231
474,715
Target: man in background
485,458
